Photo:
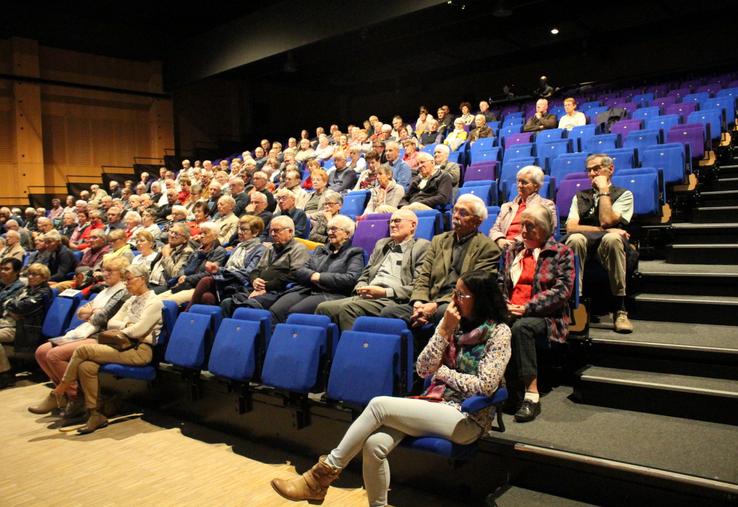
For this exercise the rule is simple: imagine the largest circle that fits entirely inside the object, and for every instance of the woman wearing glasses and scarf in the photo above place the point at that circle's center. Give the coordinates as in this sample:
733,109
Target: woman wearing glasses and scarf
466,356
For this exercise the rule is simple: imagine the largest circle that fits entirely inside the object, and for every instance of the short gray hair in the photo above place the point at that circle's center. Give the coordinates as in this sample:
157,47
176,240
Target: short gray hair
606,160
542,216
53,236
210,226
138,270
478,206
344,223
535,172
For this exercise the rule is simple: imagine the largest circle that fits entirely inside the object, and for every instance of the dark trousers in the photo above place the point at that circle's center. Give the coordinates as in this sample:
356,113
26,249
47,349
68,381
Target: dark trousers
528,334
301,301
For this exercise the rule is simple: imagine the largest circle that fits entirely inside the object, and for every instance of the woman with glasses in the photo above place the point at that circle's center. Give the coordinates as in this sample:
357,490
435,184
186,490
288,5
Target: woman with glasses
466,356
506,229
54,355
537,282
331,272
139,319
221,282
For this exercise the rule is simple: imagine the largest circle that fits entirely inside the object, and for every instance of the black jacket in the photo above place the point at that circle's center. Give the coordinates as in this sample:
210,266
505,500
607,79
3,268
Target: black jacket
339,270
61,262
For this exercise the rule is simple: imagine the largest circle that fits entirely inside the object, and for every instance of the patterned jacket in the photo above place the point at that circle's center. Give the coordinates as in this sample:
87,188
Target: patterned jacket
553,284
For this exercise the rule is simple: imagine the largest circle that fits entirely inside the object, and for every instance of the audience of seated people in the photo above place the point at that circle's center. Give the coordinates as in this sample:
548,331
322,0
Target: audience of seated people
232,234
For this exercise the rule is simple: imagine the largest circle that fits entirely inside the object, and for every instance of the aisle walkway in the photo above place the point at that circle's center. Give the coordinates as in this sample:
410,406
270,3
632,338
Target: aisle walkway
139,463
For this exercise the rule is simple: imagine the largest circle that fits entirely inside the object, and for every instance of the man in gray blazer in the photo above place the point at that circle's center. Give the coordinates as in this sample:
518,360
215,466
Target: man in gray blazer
387,279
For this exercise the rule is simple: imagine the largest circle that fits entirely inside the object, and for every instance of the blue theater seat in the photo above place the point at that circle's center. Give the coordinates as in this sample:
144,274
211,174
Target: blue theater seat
293,357
186,346
215,312
233,355
669,159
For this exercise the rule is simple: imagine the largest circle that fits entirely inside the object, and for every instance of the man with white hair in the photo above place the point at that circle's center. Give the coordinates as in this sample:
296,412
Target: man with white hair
480,130
13,247
61,261
486,112
258,208
287,208
450,255
26,239
541,120
431,187
387,279
274,271
115,191
342,179
440,156
96,193
292,182
260,180
239,195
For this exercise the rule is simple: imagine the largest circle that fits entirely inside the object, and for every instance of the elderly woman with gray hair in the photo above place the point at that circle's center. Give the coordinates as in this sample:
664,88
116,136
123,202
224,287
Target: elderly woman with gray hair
135,329
506,229
537,282
330,273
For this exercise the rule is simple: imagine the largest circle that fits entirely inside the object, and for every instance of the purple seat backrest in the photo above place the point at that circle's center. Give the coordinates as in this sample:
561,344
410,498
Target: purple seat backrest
692,134
623,127
576,176
683,108
481,171
514,139
368,232
628,106
664,101
567,190
378,216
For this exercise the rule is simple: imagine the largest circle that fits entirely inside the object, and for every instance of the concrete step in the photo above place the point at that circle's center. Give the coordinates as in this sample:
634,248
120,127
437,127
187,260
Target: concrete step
715,214
718,197
689,232
687,308
702,253
724,183
623,452
701,398
661,277
703,350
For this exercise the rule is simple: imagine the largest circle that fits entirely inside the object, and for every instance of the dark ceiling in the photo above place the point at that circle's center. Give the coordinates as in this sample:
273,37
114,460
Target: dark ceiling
441,39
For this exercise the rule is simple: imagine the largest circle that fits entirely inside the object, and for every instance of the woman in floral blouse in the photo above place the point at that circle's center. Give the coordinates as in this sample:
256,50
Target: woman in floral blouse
466,356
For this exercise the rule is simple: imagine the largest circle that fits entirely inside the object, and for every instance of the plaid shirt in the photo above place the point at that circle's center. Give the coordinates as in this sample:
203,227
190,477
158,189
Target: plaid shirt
553,285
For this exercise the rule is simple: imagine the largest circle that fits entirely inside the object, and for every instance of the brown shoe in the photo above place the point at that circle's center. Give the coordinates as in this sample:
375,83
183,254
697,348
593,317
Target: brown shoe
96,421
47,405
622,323
311,486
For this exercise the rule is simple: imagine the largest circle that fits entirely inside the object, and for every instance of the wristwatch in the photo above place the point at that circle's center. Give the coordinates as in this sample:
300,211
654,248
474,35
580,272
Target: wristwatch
603,193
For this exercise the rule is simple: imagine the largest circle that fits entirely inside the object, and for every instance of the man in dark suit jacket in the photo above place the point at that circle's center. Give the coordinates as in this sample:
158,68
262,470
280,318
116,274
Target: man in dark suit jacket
258,207
387,279
238,194
541,120
60,260
450,255
286,204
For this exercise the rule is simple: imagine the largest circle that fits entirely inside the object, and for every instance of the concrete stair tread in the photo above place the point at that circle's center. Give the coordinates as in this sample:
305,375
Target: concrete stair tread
717,208
630,437
692,225
688,299
718,192
670,335
663,268
662,381
516,496
704,245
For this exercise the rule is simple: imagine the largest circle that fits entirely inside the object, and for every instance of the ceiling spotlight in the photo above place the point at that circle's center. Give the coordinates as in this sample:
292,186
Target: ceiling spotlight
554,31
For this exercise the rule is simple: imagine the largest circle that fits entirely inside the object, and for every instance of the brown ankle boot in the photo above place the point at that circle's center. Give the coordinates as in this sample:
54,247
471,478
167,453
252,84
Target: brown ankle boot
96,421
48,404
311,486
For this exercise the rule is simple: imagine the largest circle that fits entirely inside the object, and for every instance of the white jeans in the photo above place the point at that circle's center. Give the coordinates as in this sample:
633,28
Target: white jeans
382,426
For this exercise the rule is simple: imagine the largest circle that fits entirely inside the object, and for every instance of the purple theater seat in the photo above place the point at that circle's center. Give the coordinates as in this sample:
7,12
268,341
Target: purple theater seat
679,93
624,127
513,139
567,190
664,101
682,109
691,134
368,232
481,171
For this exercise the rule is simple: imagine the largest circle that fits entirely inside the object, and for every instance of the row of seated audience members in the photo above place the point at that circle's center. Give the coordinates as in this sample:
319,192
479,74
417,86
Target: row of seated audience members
226,261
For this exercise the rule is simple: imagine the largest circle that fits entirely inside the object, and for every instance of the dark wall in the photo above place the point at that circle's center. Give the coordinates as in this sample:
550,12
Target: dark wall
243,109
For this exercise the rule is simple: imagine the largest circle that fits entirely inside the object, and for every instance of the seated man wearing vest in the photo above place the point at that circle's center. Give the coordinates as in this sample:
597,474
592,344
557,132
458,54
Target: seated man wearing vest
597,225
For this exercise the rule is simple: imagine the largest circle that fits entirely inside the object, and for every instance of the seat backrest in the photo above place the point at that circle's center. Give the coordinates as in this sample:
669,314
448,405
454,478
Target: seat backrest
215,312
645,113
484,144
550,135
510,139
263,317
698,97
663,102
233,355
482,191
669,159
510,169
322,321
369,357
567,190
186,347
711,117
354,203
624,158
384,325
484,155
518,151
58,316
640,139
682,108
624,127
691,134
552,149
581,133
435,215
481,171
602,142
292,360
645,189
566,164
368,232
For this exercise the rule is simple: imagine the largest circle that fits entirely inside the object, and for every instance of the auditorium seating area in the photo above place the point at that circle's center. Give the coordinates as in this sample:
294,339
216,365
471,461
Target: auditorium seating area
673,147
